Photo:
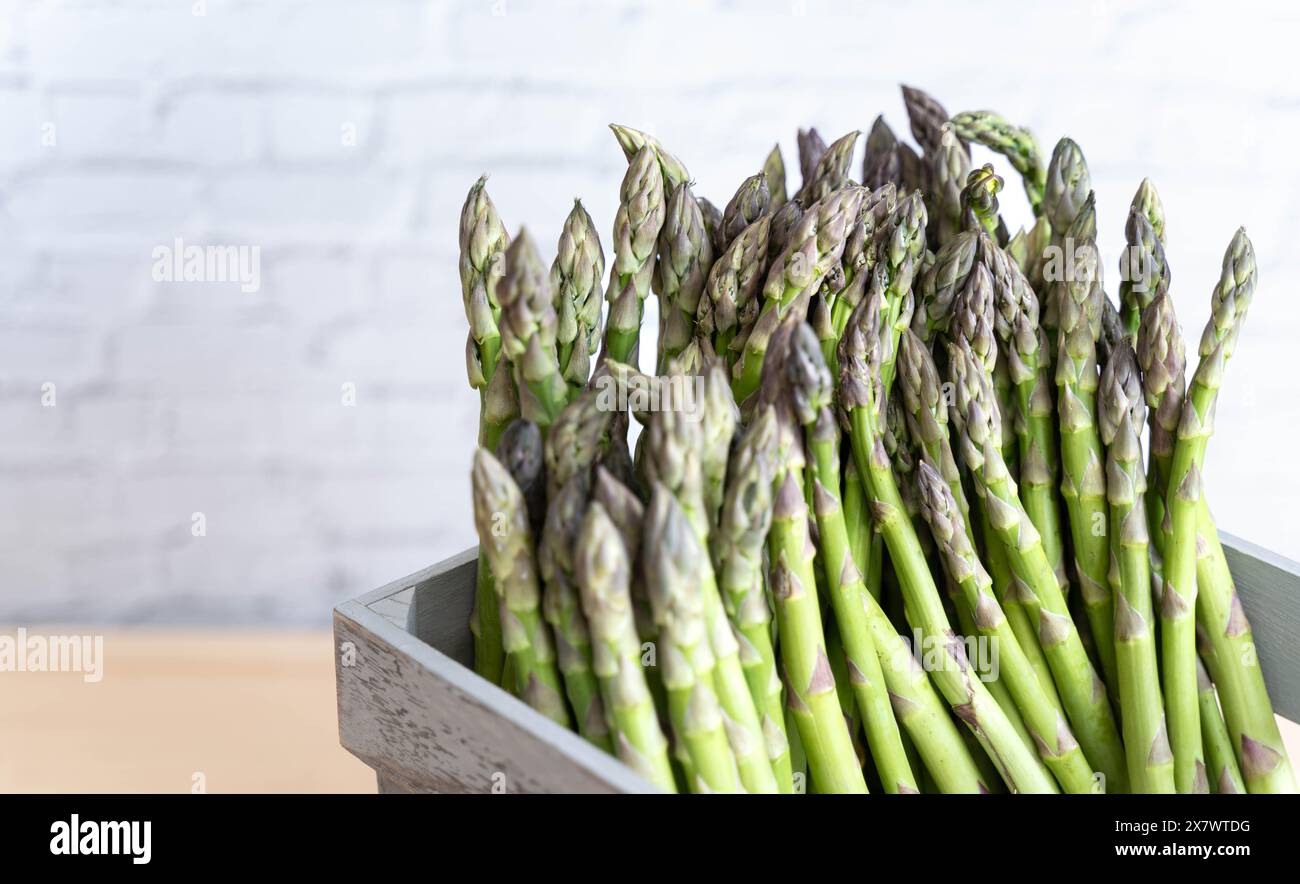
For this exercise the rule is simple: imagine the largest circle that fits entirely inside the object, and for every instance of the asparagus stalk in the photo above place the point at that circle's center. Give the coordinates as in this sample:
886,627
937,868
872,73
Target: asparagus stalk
1084,480
686,656
575,440
1067,189
483,239
1146,740
603,573
949,171
884,161
900,256
640,217
1224,774
1015,321
941,284
1144,272
1082,694
811,698
1147,202
718,421
501,517
576,277
1233,659
751,201
927,417
1229,304
685,256
712,216
811,149
731,299
831,172
562,607
860,397
528,333
738,561
927,118
1052,736
810,391
815,246
774,172
1015,143
674,453
979,202
521,452
633,141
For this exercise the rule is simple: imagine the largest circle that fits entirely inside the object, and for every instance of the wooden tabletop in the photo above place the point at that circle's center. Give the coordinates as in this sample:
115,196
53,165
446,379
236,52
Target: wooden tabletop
234,711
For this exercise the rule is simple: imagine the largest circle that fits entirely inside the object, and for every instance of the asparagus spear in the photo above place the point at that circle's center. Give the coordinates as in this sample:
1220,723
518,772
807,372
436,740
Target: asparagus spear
718,422
860,397
883,162
627,513
1144,272
831,172
602,569
507,542
979,202
900,256
927,118
1015,143
927,417
1082,694
1015,321
1233,659
562,607
633,141
528,333
815,246
1052,736
949,170
941,284
1147,202
1066,188
811,148
483,239
750,202
738,561
575,440
1229,304
732,288
576,277
774,171
1121,413
674,454
810,392
685,656
640,217
811,698
712,216
685,256
1224,774
521,452
1084,480
784,222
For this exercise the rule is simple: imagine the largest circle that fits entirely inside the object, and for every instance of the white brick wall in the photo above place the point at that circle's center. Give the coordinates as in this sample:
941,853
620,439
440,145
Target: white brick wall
340,137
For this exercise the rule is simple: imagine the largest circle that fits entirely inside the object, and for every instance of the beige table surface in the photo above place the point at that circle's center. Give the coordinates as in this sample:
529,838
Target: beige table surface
239,711
243,711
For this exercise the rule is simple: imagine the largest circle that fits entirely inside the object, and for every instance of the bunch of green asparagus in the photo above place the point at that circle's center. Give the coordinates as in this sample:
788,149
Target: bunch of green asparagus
890,521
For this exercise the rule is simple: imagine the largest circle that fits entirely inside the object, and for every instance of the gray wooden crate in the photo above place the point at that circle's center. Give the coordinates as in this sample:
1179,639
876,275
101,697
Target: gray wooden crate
411,707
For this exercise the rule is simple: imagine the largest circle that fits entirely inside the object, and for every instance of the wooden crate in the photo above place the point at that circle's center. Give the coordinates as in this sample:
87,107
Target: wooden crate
412,708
